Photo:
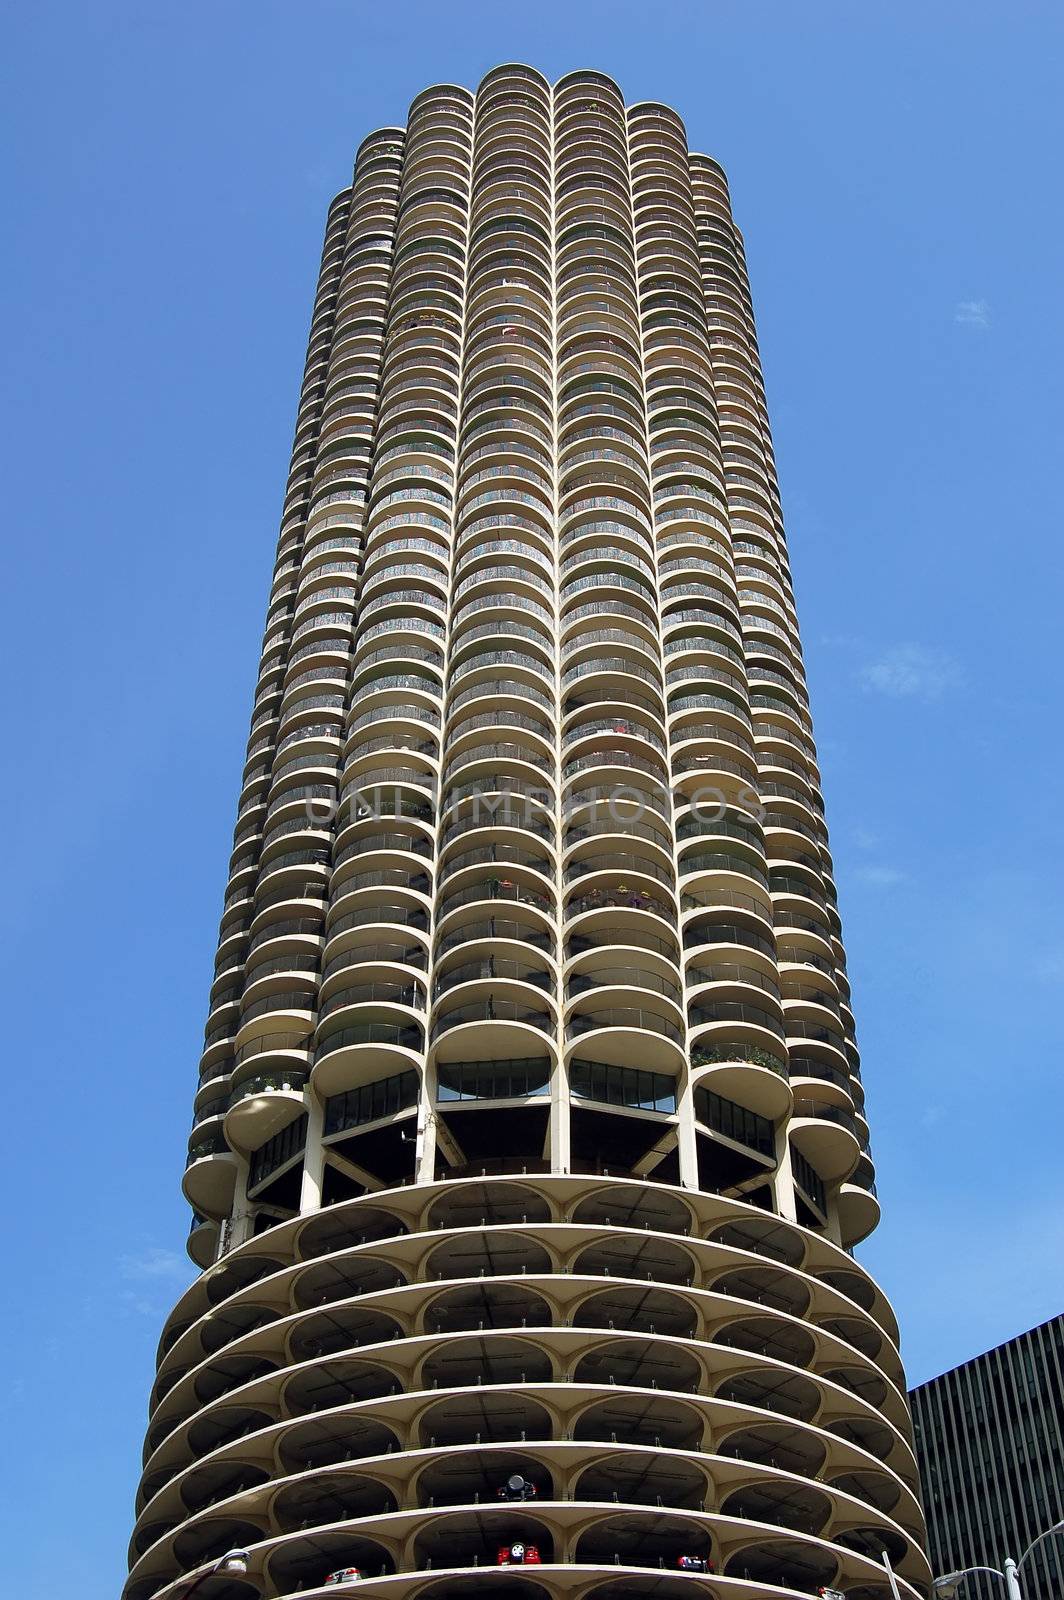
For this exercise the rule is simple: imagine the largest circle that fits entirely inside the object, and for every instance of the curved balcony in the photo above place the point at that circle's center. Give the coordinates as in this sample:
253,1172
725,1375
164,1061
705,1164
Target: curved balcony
729,969
283,1008
403,835
600,1024
828,1077
529,745
616,676
389,699
210,1177
599,823
757,1021
386,781
503,1001
729,876
858,1210
612,765
740,1069
497,801
202,1242
470,649
612,968
260,1106
827,1136
477,966
615,907
366,917
500,885
587,724
385,1039
368,984
632,871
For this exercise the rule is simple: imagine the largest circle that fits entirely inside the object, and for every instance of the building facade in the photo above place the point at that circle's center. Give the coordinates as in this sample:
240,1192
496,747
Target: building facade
990,1442
530,1136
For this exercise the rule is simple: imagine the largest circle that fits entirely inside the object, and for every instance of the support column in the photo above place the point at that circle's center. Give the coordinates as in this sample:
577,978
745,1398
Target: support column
685,1136
313,1158
240,1221
783,1182
425,1149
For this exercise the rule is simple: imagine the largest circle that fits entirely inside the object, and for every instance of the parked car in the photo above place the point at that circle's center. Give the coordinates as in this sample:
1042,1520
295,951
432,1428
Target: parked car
343,1575
694,1563
517,1487
518,1555
827,1593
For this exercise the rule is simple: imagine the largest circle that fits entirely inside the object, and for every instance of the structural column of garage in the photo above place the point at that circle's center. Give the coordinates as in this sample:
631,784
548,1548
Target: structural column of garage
530,1131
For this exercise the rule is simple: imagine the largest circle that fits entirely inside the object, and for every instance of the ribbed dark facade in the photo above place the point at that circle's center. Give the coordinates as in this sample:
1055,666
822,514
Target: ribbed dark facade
990,1442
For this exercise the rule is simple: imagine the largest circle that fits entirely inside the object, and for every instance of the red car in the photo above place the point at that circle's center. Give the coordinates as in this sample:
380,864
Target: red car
518,1555
694,1563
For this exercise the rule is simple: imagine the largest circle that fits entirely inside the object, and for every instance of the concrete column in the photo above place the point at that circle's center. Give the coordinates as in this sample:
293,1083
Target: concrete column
685,1135
313,1158
783,1182
240,1223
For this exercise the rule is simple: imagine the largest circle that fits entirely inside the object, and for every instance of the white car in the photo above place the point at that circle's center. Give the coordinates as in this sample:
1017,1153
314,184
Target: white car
343,1575
830,1594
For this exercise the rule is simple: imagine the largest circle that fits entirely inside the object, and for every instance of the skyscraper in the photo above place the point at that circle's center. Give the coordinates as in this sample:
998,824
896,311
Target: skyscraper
990,1442
529,1140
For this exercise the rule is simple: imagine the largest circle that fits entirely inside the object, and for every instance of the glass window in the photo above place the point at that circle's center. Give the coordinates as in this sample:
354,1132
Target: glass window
810,1182
370,1101
735,1122
278,1150
623,1086
493,1080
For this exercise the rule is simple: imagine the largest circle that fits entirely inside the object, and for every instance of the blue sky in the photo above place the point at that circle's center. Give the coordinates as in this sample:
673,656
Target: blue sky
897,178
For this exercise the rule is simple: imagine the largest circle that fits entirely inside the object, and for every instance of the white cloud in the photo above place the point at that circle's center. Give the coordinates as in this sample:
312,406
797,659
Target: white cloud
911,671
841,641
880,877
972,313
154,1263
154,1279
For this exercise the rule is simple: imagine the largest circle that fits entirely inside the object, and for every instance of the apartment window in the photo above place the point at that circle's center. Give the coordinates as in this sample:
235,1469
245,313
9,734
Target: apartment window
735,1122
493,1080
623,1086
810,1182
276,1151
370,1101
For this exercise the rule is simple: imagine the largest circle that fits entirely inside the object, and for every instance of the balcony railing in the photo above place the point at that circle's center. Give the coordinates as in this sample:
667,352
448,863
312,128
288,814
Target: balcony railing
493,1009
622,978
620,898
737,1050
268,1083
490,968
634,1017
822,1113
387,1033
736,1011
212,1146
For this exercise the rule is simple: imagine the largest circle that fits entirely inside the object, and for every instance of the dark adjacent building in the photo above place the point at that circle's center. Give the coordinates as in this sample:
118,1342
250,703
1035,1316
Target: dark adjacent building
990,1442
